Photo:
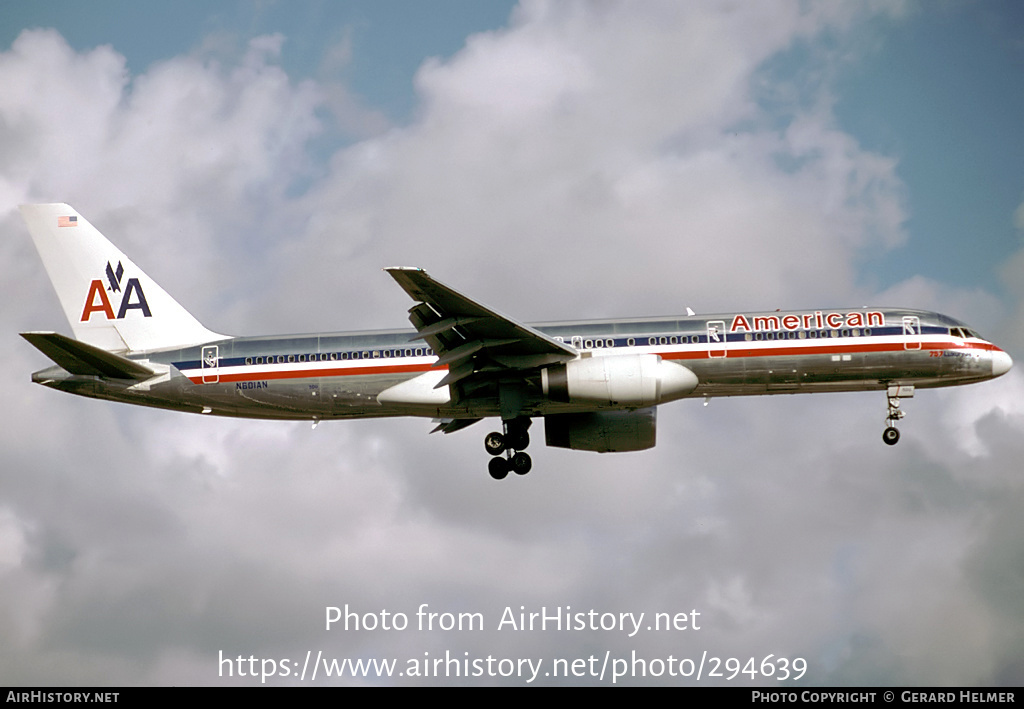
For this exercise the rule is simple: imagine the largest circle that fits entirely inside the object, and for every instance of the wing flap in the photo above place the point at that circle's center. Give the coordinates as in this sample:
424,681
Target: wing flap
452,425
442,326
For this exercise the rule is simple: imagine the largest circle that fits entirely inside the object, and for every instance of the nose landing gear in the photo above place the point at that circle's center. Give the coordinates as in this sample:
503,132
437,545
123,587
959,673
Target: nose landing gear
891,435
510,443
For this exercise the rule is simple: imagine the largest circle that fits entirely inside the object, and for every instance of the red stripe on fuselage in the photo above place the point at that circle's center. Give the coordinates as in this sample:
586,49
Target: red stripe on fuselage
734,351
309,373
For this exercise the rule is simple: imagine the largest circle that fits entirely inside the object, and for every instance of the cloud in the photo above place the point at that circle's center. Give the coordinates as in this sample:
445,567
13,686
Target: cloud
588,149
587,160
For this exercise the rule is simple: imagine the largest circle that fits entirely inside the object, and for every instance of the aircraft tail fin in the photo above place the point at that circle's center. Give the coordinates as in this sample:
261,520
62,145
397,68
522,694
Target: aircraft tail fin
109,301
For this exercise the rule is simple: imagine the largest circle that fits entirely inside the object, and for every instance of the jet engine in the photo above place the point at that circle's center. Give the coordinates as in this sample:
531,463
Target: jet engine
602,431
618,380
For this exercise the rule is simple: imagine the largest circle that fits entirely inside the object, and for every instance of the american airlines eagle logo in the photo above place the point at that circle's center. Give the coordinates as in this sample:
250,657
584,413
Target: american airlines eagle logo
132,297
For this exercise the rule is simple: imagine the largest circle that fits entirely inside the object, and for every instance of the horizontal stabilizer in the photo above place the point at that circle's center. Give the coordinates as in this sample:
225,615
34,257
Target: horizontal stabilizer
79,358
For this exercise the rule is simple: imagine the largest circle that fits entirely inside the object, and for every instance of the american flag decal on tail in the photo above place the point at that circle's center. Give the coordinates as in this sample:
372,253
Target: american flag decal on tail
67,221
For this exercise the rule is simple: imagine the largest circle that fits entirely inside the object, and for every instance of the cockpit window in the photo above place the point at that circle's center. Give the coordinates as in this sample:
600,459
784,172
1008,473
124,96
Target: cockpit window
964,333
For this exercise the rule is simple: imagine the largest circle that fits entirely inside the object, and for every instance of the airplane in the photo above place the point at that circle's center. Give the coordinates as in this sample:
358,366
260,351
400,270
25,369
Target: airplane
596,384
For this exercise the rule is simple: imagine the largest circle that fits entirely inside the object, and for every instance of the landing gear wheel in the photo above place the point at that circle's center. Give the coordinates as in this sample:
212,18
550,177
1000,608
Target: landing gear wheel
507,448
498,468
518,439
521,463
494,443
891,435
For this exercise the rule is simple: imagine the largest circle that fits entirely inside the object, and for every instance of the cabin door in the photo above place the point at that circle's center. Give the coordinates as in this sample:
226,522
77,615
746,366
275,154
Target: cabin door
210,365
716,338
911,331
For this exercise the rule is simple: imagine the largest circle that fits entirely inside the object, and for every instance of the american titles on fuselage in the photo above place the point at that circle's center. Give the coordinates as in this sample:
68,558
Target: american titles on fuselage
807,321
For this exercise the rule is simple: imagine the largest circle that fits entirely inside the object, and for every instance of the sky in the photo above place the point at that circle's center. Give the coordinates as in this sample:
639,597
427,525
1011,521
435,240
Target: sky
555,160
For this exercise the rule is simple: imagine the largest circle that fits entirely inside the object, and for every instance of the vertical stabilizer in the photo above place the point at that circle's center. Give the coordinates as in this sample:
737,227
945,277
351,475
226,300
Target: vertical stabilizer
108,300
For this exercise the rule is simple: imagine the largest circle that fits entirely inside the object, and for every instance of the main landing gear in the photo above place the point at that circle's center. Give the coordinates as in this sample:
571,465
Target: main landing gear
508,449
891,434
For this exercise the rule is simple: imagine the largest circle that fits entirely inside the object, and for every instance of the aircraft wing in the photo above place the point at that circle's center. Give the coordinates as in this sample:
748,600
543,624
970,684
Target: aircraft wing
478,344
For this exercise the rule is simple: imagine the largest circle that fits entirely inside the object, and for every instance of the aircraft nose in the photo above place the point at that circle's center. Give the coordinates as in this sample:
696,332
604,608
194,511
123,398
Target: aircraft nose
1001,363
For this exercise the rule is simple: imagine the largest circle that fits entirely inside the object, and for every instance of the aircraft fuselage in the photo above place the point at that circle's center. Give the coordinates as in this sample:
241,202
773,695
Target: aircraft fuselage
341,375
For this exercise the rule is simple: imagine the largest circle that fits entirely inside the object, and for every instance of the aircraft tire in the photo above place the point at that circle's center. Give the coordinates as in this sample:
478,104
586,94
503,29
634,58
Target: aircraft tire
891,436
521,463
494,443
518,440
498,468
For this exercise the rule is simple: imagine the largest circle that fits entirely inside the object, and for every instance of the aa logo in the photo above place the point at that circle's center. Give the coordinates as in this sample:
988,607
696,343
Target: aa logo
132,297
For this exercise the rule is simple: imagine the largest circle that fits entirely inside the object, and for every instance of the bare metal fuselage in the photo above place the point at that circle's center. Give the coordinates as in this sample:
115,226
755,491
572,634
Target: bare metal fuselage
337,376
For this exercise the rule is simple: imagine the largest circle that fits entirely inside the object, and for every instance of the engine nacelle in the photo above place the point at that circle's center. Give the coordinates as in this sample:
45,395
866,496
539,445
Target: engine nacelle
602,431
618,380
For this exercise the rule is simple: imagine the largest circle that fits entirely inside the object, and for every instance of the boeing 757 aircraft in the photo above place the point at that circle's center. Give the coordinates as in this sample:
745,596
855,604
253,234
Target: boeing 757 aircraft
595,383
